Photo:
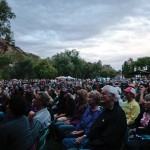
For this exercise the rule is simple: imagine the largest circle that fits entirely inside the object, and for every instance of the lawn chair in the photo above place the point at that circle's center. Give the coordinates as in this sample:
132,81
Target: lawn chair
41,144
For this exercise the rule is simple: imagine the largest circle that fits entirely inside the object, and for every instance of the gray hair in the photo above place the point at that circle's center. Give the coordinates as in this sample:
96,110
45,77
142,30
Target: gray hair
95,95
112,90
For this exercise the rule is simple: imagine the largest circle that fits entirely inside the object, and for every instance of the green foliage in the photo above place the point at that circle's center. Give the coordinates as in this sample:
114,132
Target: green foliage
6,73
43,69
4,61
14,64
4,67
128,68
5,15
143,62
14,56
91,70
66,62
69,63
104,73
23,69
112,74
87,70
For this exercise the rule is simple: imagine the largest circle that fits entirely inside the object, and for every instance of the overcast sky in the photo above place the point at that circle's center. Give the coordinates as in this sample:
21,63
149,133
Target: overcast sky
108,30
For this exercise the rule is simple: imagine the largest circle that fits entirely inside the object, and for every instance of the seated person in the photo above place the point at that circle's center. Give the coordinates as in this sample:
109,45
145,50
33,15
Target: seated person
81,105
4,98
144,90
66,107
108,130
89,116
130,107
15,131
140,136
42,118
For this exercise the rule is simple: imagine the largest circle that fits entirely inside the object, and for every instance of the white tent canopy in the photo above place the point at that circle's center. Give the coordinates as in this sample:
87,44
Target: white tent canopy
65,77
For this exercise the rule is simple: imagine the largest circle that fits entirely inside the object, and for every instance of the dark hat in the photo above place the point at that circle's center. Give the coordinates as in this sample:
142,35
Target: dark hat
69,91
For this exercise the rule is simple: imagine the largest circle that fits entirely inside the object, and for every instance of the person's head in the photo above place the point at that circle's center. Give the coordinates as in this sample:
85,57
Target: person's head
143,86
88,88
93,98
147,102
61,94
130,93
52,93
41,100
109,95
28,96
16,106
81,96
19,90
68,94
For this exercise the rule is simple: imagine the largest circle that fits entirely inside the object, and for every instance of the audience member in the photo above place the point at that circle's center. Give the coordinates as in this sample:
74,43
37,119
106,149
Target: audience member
15,131
41,119
130,107
108,130
140,136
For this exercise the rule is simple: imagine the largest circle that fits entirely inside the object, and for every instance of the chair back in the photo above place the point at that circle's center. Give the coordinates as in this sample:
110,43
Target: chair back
41,144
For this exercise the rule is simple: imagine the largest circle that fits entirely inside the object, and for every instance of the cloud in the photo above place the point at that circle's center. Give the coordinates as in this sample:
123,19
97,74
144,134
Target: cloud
111,31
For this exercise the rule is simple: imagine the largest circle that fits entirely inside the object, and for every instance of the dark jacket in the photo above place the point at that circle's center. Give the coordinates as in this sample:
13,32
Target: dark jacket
108,131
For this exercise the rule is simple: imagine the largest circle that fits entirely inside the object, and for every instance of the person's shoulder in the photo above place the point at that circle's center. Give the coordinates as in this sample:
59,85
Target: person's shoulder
36,120
123,103
8,125
118,107
120,112
135,103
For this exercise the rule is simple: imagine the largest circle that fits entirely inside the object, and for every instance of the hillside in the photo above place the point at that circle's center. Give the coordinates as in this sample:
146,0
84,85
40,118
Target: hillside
7,48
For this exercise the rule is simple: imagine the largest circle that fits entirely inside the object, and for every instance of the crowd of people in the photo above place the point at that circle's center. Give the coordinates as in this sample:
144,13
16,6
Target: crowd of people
80,114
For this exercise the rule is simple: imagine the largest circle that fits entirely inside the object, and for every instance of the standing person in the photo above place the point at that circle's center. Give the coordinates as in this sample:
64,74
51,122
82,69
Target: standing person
15,131
108,130
131,107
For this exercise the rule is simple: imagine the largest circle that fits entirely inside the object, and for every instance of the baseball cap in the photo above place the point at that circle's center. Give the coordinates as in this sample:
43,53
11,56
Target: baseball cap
130,90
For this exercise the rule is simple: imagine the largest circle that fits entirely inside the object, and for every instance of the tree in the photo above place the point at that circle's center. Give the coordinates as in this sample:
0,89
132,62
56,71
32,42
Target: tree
14,56
5,15
143,63
87,70
70,63
104,73
67,63
23,69
60,61
112,74
4,61
128,68
43,69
